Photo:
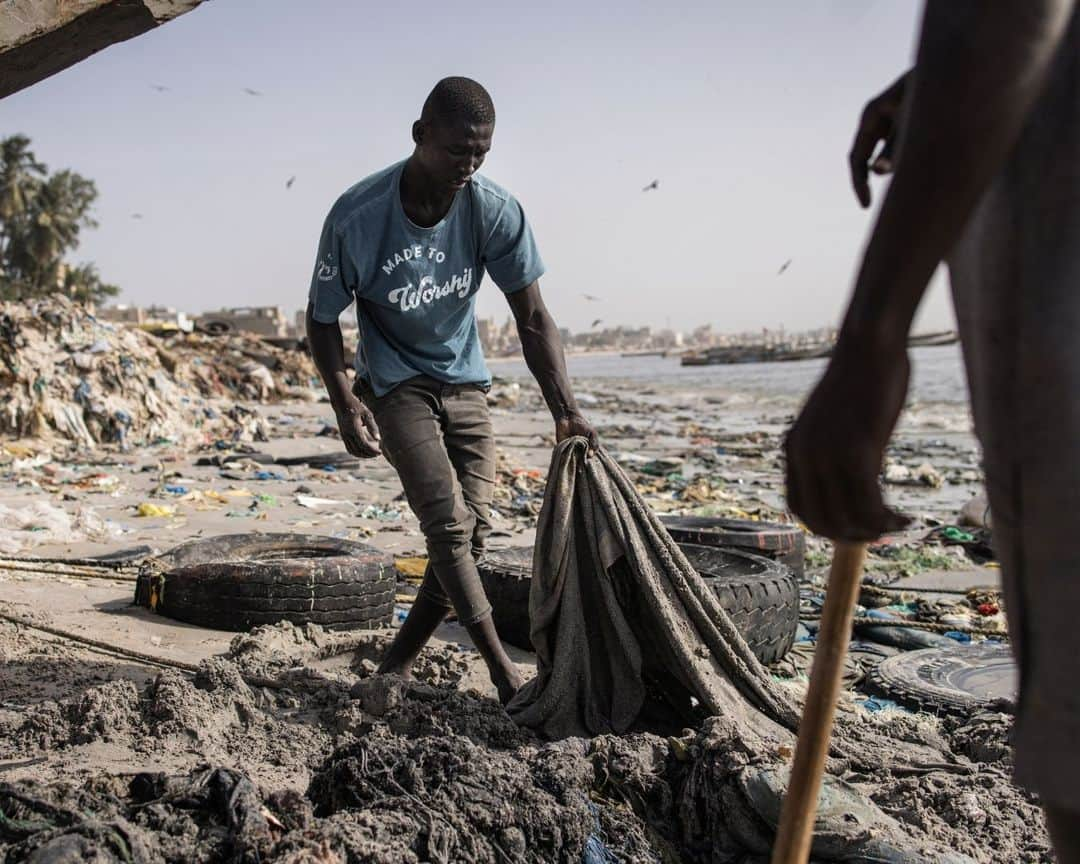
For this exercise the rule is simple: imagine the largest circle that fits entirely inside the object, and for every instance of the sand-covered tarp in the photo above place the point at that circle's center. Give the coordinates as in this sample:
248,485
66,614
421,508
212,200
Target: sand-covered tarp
619,615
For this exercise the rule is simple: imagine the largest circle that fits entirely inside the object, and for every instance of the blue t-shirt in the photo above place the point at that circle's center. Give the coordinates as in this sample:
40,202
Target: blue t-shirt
415,288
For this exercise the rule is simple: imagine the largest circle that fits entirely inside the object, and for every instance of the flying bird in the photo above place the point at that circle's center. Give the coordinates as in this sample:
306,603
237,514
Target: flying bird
251,92
784,267
161,88
654,185
290,181
136,215
591,298
594,323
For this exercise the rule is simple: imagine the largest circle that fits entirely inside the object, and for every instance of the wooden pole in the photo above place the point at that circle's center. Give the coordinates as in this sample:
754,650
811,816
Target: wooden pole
796,830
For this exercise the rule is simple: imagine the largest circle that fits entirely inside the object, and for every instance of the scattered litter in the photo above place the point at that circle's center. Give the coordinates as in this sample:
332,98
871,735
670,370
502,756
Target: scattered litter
383,514
313,502
411,567
24,525
149,509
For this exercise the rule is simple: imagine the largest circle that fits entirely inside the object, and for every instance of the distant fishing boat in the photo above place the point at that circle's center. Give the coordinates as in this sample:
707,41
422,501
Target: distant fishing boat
787,353
660,353
753,354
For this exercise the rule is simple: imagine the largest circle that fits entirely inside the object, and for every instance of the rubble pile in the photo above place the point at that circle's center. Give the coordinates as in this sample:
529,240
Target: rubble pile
66,374
241,366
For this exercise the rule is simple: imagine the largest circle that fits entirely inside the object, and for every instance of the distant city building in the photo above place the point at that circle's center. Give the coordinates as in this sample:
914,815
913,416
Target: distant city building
347,321
149,317
267,321
498,340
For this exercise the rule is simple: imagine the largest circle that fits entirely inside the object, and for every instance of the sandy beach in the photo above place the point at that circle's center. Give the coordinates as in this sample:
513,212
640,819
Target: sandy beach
707,444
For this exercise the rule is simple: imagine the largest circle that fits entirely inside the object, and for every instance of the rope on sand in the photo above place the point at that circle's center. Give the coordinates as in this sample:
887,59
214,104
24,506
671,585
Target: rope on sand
112,574
131,654
95,563
885,590
932,626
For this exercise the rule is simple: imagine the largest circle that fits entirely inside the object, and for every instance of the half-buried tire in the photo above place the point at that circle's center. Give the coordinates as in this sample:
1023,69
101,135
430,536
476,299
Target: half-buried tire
782,542
960,680
238,581
760,595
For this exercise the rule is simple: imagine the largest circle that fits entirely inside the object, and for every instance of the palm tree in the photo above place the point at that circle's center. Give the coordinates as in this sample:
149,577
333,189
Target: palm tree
41,216
20,178
84,285
58,212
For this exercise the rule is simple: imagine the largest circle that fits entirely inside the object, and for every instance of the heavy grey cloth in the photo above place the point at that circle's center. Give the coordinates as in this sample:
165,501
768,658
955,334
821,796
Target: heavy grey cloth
614,604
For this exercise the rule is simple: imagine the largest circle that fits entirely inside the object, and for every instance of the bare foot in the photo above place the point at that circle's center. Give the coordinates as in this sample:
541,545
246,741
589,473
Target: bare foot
385,668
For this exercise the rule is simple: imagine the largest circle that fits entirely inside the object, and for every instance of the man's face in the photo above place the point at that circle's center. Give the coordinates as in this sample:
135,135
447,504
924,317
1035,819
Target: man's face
453,152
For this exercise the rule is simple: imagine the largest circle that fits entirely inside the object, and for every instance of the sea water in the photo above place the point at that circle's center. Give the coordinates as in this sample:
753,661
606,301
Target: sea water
937,374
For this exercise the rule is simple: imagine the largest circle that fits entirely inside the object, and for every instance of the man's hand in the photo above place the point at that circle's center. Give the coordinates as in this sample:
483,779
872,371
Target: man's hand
879,122
836,447
573,424
358,430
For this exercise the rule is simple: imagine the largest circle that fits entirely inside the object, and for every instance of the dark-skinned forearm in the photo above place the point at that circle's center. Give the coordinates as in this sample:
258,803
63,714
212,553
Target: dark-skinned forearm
328,352
542,348
980,68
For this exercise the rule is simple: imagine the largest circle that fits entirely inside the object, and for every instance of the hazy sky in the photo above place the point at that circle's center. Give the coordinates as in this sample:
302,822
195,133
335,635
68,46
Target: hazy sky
743,111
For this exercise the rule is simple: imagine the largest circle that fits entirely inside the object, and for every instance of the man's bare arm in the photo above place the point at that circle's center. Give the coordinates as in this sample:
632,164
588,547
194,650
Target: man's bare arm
355,422
543,350
980,68
981,65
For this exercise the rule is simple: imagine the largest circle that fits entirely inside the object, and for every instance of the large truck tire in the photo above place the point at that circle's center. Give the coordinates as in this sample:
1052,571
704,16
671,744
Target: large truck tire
760,595
782,542
238,581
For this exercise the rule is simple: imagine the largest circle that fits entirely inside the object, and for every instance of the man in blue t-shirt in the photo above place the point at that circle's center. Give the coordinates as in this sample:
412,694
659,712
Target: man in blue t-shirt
410,244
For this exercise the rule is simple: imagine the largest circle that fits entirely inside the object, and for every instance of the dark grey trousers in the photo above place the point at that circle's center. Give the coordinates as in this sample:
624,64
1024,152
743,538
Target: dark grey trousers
439,439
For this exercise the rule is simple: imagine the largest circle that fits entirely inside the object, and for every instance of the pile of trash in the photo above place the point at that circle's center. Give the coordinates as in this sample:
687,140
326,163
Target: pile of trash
241,366
66,374
519,491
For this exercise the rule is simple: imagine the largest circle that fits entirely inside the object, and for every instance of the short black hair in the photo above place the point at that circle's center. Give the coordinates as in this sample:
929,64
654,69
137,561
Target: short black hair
458,98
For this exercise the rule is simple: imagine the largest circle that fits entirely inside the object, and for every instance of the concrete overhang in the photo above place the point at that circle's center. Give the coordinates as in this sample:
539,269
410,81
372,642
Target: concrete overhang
39,38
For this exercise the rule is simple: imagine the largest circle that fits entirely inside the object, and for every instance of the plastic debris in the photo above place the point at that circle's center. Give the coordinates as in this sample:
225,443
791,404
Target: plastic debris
383,514
411,567
24,525
151,510
313,502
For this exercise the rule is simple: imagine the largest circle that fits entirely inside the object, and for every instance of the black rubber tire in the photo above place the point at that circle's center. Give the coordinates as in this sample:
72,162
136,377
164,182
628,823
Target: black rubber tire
760,595
506,575
960,680
782,542
215,328
237,581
